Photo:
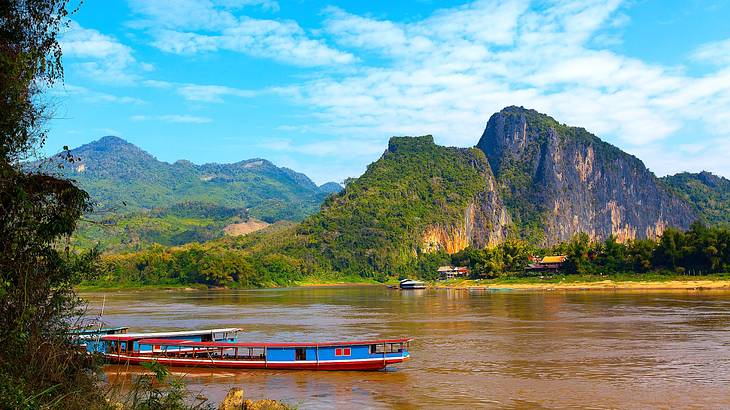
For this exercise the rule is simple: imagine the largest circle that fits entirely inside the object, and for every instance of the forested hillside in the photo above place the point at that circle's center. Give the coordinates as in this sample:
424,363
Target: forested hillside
418,198
709,193
139,200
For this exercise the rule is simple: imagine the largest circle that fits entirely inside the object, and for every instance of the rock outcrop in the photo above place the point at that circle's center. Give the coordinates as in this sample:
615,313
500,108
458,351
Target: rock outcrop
484,220
557,181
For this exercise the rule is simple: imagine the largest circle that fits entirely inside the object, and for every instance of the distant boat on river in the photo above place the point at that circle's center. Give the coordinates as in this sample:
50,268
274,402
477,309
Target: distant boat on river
411,284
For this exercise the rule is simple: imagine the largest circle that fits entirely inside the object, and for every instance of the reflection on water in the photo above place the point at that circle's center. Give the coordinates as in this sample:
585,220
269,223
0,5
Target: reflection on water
472,348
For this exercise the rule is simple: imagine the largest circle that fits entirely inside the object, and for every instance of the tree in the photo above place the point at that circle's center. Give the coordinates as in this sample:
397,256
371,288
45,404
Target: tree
37,212
578,250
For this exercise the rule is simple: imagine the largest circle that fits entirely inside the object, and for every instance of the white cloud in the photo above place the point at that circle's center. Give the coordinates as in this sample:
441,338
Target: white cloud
101,57
716,52
346,148
707,155
211,93
91,96
446,73
175,118
202,92
189,27
269,5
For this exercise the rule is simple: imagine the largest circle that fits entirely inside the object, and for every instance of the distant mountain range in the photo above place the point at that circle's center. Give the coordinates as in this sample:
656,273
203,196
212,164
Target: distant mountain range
529,177
126,184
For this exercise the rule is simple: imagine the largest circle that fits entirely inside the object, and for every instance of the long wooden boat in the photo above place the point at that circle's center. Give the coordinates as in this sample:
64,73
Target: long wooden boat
355,355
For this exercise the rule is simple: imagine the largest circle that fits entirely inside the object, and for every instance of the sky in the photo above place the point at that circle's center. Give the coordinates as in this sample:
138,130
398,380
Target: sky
320,86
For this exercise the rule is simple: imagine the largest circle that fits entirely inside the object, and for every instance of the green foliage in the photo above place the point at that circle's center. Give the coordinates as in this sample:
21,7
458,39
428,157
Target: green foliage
372,229
710,194
38,368
155,391
30,58
176,225
699,251
275,257
508,258
140,201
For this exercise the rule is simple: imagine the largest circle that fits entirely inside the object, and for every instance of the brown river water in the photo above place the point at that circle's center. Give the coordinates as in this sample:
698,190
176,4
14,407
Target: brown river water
472,349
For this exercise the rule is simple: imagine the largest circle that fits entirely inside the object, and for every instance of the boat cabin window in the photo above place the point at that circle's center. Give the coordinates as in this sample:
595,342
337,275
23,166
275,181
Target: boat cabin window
112,347
206,338
230,352
300,353
381,348
251,353
345,351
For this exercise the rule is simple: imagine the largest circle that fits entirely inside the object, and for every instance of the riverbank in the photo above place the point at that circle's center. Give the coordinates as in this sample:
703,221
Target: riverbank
597,282
309,282
566,282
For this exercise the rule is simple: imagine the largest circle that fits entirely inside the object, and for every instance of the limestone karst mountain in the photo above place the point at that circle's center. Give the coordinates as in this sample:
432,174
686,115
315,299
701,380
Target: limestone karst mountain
558,180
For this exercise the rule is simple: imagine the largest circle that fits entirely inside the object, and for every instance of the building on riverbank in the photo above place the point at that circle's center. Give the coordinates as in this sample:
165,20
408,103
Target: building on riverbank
546,263
453,272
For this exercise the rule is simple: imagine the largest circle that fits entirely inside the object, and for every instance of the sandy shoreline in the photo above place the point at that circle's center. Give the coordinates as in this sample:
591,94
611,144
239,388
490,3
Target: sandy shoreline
700,284
600,285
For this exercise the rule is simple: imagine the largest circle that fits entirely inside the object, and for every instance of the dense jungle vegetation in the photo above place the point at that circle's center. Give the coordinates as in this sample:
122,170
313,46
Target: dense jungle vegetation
281,256
372,231
141,200
178,224
709,193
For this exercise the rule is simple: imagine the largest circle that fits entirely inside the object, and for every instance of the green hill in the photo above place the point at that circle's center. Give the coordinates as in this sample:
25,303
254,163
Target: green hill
421,205
709,193
139,199
417,198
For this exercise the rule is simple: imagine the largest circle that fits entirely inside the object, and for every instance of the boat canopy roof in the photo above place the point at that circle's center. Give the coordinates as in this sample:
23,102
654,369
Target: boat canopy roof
97,330
188,343
135,336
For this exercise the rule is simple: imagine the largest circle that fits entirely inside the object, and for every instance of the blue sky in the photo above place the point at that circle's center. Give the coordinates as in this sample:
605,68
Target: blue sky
320,86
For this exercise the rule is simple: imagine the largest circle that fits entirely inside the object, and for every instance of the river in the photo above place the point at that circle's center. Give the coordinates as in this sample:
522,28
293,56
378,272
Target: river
483,349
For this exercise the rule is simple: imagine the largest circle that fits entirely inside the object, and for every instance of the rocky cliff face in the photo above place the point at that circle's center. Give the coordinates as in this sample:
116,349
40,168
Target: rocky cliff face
484,220
557,181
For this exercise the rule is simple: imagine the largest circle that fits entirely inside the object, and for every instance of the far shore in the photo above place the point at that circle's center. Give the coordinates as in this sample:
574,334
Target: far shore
609,284
567,282
122,287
